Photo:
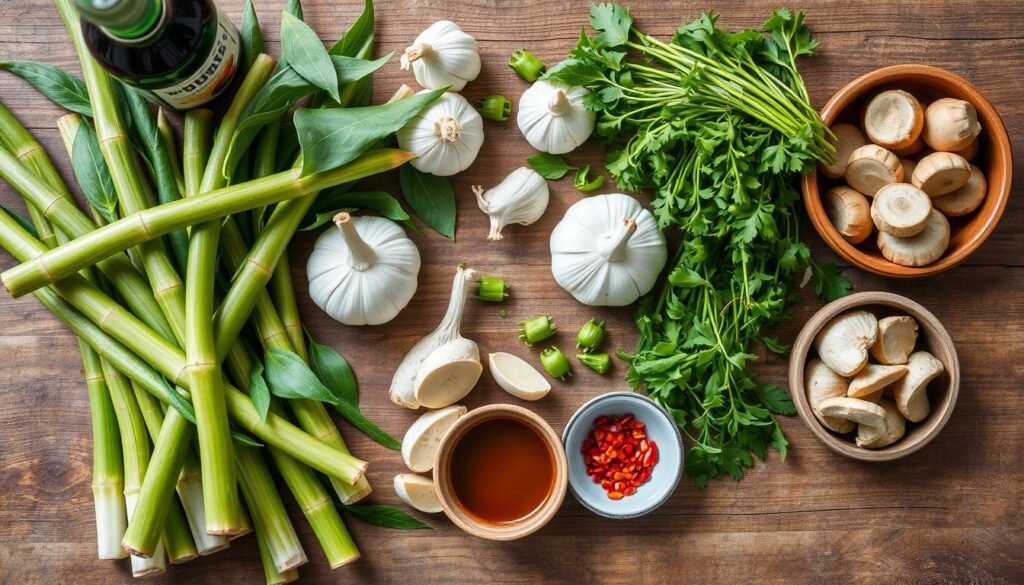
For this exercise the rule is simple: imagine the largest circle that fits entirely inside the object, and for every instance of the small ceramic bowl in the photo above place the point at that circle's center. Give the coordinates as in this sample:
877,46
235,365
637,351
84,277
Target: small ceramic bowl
932,337
995,158
443,481
661,428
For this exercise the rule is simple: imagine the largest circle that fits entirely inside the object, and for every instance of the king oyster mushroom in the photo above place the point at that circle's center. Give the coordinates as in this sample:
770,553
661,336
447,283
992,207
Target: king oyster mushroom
844,341
821,383
874,377
897,337
891,430
911,391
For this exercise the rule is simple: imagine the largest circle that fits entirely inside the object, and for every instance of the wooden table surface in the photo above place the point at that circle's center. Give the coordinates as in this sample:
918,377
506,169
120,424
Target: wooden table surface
951,513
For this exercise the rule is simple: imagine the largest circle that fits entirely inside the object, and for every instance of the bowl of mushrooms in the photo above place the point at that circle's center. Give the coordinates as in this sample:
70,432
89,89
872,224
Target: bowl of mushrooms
921,175
874,375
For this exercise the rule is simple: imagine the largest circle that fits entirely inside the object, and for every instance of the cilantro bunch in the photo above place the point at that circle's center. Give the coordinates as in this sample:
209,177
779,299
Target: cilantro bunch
718,124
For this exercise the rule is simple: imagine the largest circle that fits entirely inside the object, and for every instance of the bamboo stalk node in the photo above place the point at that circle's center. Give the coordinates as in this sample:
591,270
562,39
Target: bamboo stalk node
258,264
316,505
24,153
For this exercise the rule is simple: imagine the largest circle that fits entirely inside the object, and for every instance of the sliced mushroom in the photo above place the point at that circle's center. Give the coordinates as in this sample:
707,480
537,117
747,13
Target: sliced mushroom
848,138
844,341
891,430
908,165
971,150
911,391
920,250
965,199
849,212
855,409
893,119
950,124
873,378
901,209
897,337
821,383
872,167
940,173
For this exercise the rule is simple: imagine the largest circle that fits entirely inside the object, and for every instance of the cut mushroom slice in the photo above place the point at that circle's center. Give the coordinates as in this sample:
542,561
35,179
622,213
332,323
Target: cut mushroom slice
872,167
911,391
971,150
855,409
901,210
893,119
517,377
950,124
418,492
891,430
844,341
821,383
848,138
849,212
940,173
897,337
965,199
920,250
873,378
419,446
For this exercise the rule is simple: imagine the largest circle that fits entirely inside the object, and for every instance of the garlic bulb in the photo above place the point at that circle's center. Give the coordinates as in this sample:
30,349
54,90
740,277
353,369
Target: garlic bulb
364,272
521,198
443,366
607,250
443,56
445,137
552,117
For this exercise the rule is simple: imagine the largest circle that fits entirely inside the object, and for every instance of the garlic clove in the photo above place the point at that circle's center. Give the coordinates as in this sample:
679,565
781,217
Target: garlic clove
521,198
517,377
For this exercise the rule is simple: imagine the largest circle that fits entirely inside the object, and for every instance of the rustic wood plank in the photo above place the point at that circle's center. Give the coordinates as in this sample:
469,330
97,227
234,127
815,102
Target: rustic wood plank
950,514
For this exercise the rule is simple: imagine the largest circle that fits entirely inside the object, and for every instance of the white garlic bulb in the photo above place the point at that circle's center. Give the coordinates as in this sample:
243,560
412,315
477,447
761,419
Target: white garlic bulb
607,250
521,198
364,272
443,56
445,137
552,117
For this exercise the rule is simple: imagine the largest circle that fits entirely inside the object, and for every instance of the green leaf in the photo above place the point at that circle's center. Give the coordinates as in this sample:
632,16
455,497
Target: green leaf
829,282
294,7
575,72
251,36
775,346
613,21
332,369
355,418
92,173
63,89
289,377
775,399
21,220
245,439
303,51
258,391
684,277
431,197
358,41
549,166
332,137
330,203
384,516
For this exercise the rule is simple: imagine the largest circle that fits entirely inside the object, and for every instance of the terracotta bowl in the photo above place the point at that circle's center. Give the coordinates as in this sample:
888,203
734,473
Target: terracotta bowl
504,530
932,337
994,158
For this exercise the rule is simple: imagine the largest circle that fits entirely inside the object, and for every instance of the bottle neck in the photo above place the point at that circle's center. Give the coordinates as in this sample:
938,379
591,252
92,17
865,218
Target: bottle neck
128,20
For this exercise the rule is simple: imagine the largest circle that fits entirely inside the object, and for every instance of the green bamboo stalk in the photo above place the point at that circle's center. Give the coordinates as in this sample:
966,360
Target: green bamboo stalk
215,446
282,291
152,223
195,148
107,461
270,572
171,147
126,279
135,444
269,517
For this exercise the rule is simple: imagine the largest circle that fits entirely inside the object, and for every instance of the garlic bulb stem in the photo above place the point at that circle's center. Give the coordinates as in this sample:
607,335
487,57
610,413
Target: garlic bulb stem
449,327
613,247
360,255
415,53
448,129
559,104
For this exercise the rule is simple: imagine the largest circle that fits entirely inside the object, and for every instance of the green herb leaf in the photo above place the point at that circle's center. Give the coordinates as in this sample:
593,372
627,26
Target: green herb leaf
829,282
92,173
21,220
384,516
355,418
431,197
775,399
335,373
549,166
613,22
294,7
258,390
331,203
775,346
358,41
584,183
332,137
303,51
63,89
245,439
289,377
575,72
251,36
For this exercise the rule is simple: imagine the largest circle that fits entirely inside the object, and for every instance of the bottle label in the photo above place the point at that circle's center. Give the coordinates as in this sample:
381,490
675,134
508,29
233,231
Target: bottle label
214,75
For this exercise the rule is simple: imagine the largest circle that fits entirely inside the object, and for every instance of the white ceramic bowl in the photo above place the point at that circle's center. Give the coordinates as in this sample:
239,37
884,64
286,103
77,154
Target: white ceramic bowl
661,428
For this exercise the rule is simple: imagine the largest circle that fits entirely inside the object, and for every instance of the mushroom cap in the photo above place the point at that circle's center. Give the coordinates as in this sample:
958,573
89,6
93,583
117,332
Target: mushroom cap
855,409
820,384
891,430
911,391
950,124
897,336
844,341
873,378
893,119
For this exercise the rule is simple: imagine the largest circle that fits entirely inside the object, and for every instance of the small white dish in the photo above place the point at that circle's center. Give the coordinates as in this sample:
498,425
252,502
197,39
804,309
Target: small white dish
661,428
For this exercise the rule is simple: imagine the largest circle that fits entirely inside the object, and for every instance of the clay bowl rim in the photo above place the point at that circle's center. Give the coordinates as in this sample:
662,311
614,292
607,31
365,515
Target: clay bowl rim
933,332
1000,155
501,532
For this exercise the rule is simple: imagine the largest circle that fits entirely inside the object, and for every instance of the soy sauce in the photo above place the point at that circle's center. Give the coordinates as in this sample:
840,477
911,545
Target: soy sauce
502,471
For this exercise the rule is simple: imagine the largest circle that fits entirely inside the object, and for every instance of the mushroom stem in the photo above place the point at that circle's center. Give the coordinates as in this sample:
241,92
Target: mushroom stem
360,255
612,247
559,104
448,129
415,53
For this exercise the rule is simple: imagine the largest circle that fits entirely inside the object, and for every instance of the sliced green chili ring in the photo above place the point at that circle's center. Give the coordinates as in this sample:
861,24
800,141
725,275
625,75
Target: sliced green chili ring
555,363
492,289
599,362
527,65
495,108
587,185
536,329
